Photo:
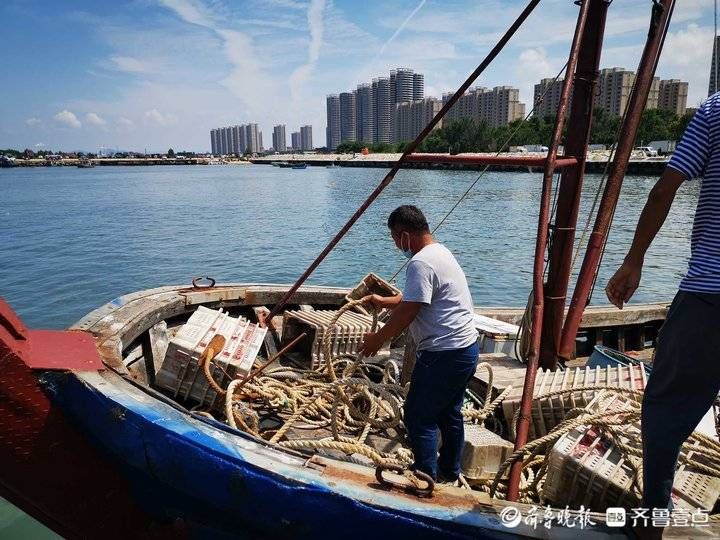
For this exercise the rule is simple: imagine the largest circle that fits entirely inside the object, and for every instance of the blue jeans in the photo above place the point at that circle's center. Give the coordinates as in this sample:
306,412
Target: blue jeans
437,389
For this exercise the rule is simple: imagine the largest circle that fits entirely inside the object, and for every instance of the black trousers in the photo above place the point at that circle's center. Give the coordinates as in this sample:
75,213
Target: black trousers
684,383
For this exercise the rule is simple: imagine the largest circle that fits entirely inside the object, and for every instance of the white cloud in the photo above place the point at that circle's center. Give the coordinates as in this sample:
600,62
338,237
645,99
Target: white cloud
191,11
126,123
300,76
33,122
156,117
95,119
284,4
687,55
129,64
66,118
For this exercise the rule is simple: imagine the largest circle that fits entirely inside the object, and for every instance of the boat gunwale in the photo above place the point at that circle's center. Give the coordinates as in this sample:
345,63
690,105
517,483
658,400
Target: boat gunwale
189,298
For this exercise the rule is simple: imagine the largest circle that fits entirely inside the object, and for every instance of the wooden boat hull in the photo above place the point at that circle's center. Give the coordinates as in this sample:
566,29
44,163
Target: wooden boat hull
176,473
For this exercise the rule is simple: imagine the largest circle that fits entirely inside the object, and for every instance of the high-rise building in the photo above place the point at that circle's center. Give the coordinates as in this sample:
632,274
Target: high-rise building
348,120
714,85
547,97
374,108
496,107
306,138
403,85
364,113
242,138
233,141
279,144
225,141
615,86
213,142
332,131
418,86
295,137
411,117
253,139
384,110
672,96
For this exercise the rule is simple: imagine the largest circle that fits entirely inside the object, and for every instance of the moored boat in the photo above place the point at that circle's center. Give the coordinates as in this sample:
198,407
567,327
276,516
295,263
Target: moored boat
180,470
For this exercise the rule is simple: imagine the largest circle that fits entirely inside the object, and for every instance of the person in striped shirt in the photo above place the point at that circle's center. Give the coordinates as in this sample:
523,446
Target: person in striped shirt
686,373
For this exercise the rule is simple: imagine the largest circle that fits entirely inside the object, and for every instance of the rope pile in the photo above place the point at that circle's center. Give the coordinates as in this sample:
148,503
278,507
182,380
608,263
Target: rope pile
353,399
350,397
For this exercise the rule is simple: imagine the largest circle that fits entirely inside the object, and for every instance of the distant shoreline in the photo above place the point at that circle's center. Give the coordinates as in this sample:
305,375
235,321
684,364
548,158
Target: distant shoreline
595,163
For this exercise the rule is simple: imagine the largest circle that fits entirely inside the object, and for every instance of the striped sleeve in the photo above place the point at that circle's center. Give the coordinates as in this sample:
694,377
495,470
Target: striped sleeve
691,154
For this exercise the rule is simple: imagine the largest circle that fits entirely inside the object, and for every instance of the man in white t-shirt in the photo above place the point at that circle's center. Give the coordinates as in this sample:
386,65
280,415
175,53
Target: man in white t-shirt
437,306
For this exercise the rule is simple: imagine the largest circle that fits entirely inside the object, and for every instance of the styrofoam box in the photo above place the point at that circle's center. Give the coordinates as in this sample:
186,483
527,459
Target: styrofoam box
180,372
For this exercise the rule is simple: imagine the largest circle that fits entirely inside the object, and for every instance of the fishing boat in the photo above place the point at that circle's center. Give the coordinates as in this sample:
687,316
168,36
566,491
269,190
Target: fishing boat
104,431
302,165
86,164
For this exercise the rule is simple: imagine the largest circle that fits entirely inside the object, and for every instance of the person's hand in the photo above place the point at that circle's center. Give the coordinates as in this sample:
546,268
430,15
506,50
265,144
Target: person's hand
371,344
374,300
623,284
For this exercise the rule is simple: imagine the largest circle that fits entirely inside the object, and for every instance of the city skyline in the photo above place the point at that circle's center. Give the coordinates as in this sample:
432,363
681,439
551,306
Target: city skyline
167,81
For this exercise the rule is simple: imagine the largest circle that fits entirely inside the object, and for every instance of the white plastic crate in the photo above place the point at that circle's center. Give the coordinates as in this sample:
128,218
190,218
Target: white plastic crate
347,335
180,372
483,453
587,468
548,412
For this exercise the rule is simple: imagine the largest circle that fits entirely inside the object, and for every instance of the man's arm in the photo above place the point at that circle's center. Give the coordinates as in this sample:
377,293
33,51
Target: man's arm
627,278
401,317
385,302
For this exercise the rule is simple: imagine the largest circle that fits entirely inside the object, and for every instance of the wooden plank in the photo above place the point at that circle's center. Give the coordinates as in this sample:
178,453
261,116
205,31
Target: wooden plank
594,316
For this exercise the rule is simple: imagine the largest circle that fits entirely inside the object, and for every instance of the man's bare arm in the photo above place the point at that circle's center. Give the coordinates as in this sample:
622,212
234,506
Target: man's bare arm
401,317
626,280
385,302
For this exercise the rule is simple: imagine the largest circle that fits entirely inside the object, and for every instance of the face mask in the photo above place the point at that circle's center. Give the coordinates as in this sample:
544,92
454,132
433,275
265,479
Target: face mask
408,254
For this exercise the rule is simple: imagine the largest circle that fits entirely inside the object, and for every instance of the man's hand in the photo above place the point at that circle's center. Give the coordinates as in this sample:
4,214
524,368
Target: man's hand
623,284
382,302
374,300
371,344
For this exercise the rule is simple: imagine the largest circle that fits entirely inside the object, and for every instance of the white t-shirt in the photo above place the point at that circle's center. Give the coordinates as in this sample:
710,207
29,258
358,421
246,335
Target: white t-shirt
434,278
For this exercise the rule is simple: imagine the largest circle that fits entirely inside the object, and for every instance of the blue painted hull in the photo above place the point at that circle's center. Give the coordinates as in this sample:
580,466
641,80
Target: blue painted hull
183,475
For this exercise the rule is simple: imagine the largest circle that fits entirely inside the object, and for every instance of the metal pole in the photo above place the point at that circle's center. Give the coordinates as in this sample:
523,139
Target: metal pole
539,265
410,148
563,239
660,20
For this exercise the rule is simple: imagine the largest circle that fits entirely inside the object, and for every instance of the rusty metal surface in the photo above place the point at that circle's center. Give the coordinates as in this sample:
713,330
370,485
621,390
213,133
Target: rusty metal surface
539,263
570,188
47,349
48,469
660,20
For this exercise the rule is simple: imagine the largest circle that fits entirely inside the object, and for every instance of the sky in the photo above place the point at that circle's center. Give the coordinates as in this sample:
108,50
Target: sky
148,75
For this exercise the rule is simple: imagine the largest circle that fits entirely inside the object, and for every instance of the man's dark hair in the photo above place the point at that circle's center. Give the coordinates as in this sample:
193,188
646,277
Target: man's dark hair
408,218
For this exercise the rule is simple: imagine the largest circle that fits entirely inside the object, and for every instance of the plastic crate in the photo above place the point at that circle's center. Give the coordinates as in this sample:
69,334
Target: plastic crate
347,335
180,372
483,453
586,468
548,412
371,284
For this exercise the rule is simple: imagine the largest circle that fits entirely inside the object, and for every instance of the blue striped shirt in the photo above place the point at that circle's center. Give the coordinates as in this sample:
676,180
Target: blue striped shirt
698,155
